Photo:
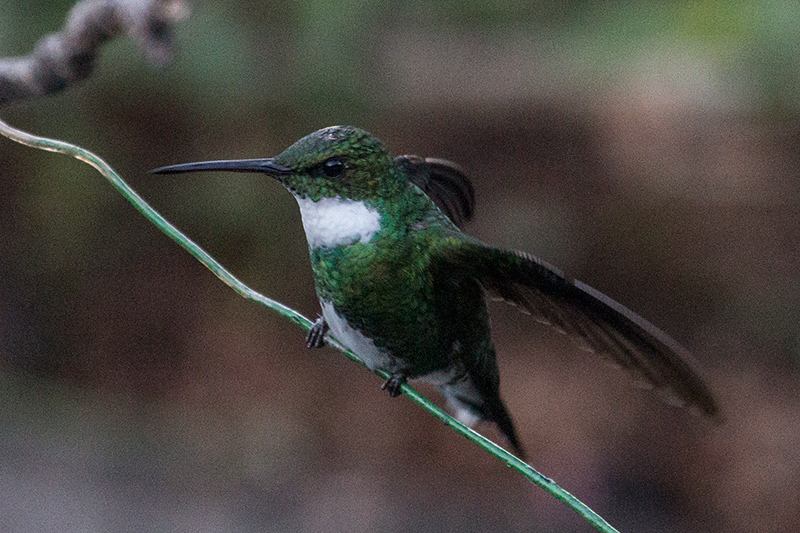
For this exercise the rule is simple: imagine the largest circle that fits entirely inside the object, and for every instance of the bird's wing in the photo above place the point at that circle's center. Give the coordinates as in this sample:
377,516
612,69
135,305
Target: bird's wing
444,182
595,321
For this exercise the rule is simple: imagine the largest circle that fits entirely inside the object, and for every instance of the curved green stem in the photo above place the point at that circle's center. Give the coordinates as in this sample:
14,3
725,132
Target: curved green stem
229,279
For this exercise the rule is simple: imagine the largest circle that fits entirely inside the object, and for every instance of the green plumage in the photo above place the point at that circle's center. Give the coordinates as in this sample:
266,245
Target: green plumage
404,288
389,289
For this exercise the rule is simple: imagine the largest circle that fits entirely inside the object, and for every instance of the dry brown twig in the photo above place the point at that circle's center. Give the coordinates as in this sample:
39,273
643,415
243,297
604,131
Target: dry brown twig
61,59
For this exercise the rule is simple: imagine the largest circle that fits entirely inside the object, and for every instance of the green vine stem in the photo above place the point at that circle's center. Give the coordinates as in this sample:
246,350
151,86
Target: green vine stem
201,255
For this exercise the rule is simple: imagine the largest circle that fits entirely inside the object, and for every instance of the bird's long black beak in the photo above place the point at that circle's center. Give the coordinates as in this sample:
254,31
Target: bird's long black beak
266,166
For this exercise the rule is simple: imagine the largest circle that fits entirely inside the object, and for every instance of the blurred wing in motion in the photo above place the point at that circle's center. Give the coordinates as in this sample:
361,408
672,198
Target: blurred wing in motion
595,321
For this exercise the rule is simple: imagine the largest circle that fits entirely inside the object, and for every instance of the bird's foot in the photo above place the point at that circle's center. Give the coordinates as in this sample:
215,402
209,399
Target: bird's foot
316,335
393,384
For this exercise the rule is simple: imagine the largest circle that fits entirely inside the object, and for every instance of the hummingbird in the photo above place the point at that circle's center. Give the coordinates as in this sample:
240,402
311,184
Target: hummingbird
404,288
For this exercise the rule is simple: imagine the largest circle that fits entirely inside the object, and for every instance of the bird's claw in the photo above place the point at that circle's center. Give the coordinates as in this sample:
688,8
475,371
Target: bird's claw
316,334
394,384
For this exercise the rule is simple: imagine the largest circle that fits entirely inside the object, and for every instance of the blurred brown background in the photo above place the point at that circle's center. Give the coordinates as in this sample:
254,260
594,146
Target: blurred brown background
648,148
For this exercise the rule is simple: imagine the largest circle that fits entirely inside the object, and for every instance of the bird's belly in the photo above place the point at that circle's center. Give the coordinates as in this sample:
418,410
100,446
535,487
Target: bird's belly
357,342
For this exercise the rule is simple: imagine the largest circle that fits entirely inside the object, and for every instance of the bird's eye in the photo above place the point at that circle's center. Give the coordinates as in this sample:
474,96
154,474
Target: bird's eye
333,167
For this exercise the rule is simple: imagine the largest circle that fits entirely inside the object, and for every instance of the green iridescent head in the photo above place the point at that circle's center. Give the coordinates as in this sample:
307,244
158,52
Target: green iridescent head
338,161
342,161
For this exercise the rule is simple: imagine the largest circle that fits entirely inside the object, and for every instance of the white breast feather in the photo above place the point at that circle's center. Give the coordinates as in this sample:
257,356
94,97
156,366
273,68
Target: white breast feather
357,342
335,221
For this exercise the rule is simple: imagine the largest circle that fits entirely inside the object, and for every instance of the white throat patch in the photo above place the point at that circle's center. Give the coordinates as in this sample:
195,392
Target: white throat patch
335,221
